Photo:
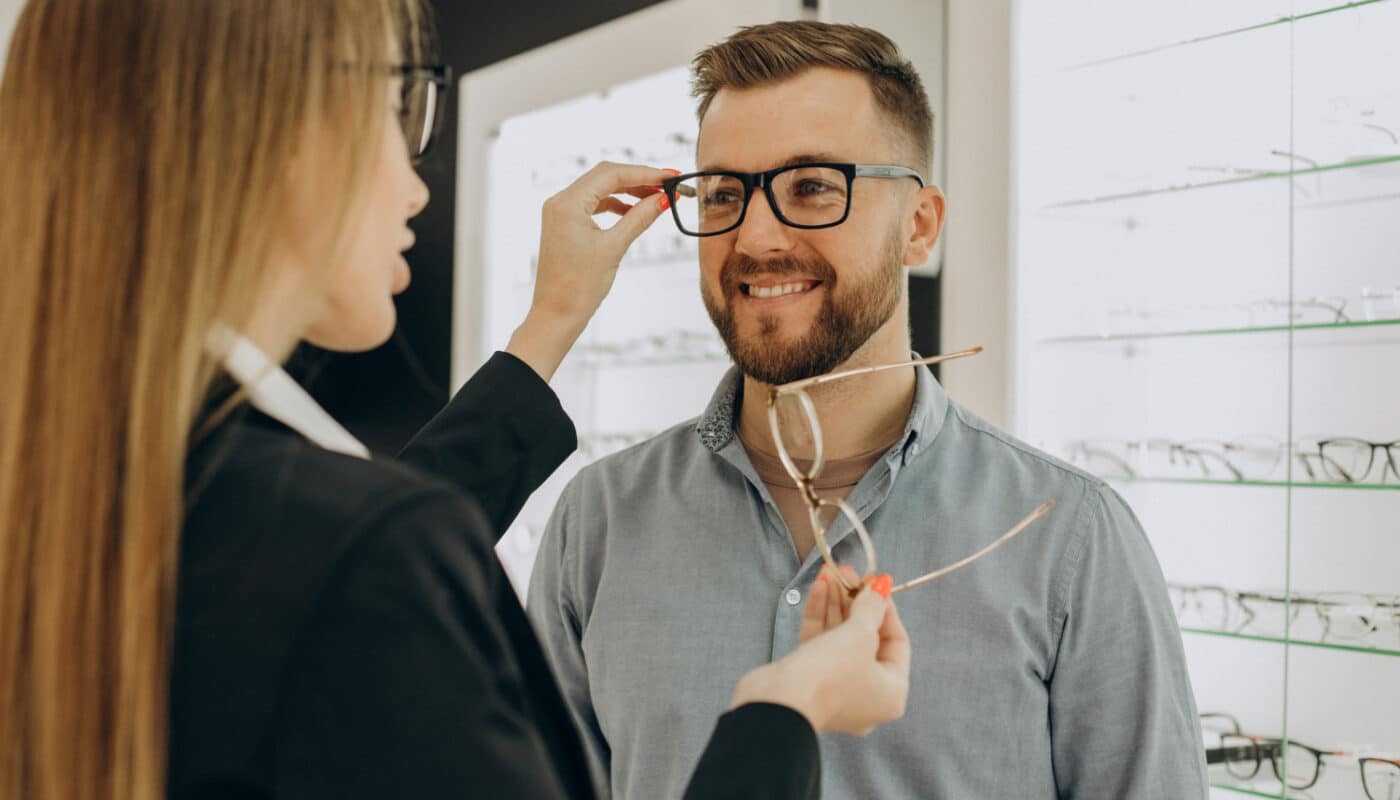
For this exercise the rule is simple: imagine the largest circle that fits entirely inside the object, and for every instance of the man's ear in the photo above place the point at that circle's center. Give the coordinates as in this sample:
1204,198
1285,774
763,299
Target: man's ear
929,210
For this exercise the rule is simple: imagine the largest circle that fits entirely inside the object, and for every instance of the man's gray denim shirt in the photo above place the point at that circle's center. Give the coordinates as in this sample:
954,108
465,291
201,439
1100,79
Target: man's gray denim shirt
1053,668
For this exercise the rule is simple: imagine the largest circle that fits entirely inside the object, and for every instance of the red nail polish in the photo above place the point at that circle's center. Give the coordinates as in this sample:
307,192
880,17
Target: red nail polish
882,586
821,577
672,171
665,203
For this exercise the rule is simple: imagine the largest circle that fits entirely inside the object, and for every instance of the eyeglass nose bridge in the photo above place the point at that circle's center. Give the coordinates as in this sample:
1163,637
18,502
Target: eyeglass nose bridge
753,183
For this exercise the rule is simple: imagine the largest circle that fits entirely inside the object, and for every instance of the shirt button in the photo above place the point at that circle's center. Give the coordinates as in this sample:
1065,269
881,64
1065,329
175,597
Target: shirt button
793,597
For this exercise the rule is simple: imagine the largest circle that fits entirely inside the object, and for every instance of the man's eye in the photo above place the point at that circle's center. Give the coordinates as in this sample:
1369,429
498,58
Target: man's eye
810,188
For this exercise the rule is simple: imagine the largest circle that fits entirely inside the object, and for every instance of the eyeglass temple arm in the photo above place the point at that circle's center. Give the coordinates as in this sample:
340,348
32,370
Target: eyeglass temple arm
886,171
1006,537
820,379
1233,754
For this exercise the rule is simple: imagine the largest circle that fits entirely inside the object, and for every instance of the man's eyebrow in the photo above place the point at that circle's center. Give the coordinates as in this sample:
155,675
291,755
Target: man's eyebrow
810,158
792,161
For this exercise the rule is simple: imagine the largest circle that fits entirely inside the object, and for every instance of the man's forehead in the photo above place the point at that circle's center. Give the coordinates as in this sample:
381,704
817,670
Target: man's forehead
821,112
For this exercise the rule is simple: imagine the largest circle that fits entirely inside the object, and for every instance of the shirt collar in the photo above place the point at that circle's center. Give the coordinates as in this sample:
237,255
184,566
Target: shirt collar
273,392
716,426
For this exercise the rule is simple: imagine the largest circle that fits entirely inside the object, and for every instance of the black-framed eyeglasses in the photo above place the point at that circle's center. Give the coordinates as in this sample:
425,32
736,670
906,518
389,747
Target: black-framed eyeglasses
1295,765
808,196
1380,778
420,104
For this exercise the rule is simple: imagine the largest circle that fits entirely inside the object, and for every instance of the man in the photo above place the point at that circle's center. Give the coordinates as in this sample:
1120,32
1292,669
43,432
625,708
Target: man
1051,669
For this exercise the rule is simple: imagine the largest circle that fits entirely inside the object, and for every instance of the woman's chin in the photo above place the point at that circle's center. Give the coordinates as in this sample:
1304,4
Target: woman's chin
346,336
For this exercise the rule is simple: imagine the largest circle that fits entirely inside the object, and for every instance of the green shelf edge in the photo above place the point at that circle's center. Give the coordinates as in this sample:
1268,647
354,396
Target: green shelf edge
1379,487
1162,48
1191,187
1345,648
1183,334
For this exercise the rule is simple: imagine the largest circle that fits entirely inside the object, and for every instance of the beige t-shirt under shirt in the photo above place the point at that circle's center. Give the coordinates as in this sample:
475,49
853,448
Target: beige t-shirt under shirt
838,478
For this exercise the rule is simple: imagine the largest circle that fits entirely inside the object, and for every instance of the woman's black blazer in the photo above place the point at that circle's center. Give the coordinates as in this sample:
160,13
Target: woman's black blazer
344,630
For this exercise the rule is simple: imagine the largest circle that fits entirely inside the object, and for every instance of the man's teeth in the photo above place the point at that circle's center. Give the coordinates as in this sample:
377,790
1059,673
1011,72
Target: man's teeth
776,291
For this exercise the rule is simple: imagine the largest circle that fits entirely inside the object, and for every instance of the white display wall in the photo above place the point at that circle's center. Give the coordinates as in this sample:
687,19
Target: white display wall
650,357
1207,313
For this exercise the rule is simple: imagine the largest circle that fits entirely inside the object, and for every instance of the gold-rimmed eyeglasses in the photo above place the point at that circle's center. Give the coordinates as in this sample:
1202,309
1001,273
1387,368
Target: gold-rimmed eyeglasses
791,401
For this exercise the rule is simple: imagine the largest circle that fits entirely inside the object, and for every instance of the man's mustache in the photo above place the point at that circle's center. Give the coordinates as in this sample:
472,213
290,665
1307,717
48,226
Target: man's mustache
738,267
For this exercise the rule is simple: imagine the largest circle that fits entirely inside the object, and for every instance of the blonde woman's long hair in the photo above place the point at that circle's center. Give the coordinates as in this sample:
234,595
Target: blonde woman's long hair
148,149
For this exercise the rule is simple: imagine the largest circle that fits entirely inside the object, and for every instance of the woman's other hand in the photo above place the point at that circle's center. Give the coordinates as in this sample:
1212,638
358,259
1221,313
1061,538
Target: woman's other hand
851,672
578,258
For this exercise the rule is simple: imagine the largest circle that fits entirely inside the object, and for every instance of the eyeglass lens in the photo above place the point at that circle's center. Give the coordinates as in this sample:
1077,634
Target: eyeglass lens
418,113
1296,766
1380,778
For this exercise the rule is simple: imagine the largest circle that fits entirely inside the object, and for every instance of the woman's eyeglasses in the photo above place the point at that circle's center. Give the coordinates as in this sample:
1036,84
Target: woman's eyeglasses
420,105
792,418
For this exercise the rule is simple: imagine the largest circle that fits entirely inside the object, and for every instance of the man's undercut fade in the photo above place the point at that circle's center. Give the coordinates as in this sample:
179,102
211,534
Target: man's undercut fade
763,54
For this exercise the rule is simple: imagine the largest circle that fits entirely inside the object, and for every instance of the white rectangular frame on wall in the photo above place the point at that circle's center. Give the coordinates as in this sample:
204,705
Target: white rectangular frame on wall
640,44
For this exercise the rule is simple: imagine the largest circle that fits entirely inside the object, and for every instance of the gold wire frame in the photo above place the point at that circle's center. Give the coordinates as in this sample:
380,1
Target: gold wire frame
806,480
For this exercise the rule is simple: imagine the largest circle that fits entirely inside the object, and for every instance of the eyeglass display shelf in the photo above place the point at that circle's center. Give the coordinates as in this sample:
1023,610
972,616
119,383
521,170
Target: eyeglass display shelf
1375,487
1273,23
1250,637
644,363
1263,175
1182,334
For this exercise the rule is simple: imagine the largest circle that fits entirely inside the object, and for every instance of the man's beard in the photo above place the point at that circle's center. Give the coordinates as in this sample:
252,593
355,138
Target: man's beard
841,327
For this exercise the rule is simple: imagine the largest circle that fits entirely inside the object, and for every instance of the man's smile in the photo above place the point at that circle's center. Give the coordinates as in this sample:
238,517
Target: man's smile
774,291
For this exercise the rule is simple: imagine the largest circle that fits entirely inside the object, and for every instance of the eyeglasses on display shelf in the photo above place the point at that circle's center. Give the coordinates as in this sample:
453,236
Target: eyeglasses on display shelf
1368,307
652,249
1335,460
1293,764
672,347
797,431
1206,307
1310,176
1370,621
673,149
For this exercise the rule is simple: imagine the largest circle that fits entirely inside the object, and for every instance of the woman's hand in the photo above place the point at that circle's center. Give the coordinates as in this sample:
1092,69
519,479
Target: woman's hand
851,672
578,259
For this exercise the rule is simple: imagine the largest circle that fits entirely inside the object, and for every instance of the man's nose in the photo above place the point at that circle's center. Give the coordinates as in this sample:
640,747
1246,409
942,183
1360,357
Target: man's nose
762,233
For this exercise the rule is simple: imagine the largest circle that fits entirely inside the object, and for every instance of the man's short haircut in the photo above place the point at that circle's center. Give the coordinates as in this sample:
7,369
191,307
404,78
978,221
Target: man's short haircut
763,54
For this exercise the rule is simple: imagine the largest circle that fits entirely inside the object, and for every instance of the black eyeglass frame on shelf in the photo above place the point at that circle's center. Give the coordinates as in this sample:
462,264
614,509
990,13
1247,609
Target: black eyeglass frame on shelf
750,181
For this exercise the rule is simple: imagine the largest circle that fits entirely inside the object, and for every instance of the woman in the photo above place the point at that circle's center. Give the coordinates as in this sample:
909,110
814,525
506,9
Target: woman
208,599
